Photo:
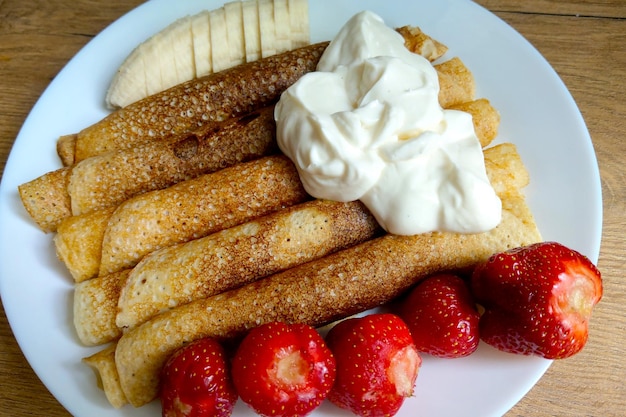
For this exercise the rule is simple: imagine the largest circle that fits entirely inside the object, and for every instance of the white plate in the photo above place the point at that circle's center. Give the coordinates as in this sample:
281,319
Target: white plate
538,114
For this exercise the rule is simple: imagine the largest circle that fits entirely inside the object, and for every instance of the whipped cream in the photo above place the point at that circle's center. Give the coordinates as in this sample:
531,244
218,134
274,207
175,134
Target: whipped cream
367,125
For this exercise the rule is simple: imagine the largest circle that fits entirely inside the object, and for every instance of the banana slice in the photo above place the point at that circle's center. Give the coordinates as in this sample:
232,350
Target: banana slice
234,26
129,83
299,22
220,53
210,41
201,43
151,52
165,52
181,44
252,31
267,27
282,25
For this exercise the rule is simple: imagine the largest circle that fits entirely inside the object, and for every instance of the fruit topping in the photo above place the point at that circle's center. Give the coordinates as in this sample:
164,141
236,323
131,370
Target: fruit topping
377,364
538,299
283,370
442,316
196,382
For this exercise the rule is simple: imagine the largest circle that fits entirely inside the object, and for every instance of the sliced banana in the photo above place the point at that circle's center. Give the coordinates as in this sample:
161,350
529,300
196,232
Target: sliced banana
235,29
252,31
150,52
299,22
282,25
267,27
210,41
201,43
165,51
220,52
181,42
129,83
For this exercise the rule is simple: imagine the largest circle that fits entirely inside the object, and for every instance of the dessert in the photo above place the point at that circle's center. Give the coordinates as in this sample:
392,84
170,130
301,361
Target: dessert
113,177
209,42
188,210
131,131
364,275
216,97
318,292
106,305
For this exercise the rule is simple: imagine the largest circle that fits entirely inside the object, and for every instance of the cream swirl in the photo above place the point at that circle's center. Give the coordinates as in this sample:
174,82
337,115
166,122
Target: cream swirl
367,125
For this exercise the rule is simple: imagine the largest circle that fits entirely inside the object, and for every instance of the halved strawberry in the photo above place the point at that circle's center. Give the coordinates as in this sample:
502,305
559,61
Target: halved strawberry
442,316
377,364
283,370
538,299
196,382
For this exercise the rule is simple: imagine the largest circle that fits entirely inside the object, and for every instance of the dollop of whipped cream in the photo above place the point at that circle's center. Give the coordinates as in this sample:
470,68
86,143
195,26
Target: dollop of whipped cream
367,125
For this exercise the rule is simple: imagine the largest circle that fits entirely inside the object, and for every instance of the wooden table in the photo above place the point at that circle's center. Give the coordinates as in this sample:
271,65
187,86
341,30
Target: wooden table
585,41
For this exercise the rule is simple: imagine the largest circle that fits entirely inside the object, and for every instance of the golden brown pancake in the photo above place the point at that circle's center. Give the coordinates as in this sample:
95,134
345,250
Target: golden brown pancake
335,286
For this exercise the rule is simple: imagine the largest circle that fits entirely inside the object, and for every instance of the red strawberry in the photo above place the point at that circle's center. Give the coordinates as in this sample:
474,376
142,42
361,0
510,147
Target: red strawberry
283,370
377,364
537,299
442,316
195,382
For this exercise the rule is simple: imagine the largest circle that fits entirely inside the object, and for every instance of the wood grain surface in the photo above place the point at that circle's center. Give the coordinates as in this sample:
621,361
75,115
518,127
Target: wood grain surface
585,41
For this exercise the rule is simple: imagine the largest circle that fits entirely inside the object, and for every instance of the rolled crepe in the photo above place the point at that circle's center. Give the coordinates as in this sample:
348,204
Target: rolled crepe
420,43
78,242
195,208
93,310
456,83
236,256
111,178
215,97
66,146
228,259
338,285
316,293
200,268
485,118
186,211
103,364
46,199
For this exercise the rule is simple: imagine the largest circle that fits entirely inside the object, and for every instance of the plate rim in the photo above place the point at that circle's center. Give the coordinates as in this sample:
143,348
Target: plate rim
592,252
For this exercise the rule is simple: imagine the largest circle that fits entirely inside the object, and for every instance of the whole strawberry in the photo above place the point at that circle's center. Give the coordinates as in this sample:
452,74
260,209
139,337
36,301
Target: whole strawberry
283,370
442,316
377,364
538,299
195,382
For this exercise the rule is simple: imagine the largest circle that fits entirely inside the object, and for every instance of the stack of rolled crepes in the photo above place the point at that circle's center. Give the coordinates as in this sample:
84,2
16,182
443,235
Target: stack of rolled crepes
178,218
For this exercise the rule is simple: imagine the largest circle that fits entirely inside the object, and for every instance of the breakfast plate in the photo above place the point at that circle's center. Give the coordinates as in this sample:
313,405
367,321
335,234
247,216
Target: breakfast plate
538,115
